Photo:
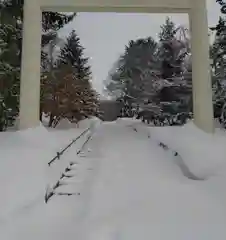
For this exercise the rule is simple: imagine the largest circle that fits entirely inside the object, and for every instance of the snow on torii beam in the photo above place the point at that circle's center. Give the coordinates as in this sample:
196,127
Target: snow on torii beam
30,68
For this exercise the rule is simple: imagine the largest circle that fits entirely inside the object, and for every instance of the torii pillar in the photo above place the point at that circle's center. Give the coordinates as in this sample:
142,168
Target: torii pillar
201,77
30,65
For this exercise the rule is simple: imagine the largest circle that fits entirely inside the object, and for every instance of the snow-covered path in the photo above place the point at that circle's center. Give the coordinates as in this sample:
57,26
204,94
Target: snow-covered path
139,193
131,189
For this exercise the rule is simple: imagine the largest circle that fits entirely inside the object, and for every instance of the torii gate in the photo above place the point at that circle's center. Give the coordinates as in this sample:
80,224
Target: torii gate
31,52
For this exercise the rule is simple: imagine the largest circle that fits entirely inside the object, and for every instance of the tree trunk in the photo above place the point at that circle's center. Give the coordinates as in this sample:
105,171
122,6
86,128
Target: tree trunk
51,119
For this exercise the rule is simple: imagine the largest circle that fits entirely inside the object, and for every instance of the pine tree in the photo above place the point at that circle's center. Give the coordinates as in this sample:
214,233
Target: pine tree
136,71
9,72
65,96
150,73
137,77
167,31
67,91
171,62
176,94
73,53
223,5
218,55
11,12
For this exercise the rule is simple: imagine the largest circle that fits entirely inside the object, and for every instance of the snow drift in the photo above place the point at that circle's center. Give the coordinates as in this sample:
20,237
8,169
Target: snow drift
24,155
204,154
24,171
130,187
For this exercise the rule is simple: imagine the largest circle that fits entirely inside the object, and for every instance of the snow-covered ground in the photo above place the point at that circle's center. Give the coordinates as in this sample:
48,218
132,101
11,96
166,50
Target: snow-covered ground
127,186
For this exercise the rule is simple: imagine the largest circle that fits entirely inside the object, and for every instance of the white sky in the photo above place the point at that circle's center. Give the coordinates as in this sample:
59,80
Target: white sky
104,35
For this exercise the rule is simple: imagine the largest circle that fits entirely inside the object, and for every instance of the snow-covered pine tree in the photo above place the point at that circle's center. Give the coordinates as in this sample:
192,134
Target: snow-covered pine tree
175,95
151,73
66,96
218,55
134,78
9,75
73,53
78,89
11,12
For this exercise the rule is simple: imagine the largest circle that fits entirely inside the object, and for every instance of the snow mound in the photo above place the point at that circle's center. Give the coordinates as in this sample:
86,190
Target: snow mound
24,155
139,193
89,122
24,166
203,153
65,124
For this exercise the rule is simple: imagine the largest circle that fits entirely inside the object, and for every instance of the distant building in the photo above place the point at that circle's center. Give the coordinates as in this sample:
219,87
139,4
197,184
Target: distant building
110,110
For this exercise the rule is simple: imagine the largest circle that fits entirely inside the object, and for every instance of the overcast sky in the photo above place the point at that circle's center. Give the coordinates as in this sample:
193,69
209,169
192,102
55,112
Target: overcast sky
104,35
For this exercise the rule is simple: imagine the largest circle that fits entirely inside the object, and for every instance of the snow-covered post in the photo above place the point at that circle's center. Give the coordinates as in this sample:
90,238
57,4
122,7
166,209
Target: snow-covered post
201,78
30,66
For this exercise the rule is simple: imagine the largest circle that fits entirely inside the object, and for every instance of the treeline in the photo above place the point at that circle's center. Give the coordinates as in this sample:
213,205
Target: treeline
66,89
153,78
